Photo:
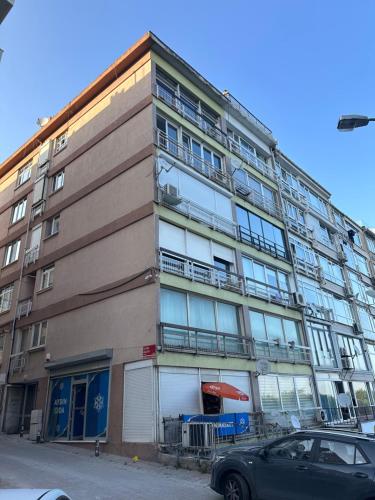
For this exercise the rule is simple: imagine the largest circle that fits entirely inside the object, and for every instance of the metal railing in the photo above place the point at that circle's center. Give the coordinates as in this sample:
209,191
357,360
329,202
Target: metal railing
201,214
200,119
195,270
297,227
31,255
201,437
263,244
251,158
184,338
257,199
247,114
305,267
18,363
24,308
274,350
171,262
193,160
293,193
350,416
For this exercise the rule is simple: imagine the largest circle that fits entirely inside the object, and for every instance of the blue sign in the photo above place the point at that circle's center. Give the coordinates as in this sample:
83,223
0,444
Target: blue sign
228,424
59,408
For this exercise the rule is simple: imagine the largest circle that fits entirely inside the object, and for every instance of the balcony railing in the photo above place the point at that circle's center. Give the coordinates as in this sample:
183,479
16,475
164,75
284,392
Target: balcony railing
201,214
251,159
18,363
261,243
298,228
193,160
173,263
200,119
31,255
274,350
257,199
200,271
184,338
306,268
291,192
24,308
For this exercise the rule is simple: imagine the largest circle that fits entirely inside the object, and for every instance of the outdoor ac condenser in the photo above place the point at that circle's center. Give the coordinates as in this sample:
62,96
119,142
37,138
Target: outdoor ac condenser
197,435
36,422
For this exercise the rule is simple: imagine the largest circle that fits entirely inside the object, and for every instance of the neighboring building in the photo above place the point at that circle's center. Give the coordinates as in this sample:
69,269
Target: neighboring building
154,239
5,6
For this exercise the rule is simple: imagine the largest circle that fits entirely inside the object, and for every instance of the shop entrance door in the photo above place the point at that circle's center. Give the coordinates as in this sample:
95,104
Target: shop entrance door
78,410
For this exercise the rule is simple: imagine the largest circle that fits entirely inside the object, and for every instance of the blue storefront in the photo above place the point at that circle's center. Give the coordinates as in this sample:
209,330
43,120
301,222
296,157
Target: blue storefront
78,408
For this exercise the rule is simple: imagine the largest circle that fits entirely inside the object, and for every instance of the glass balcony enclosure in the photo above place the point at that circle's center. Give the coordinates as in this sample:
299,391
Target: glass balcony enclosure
321,345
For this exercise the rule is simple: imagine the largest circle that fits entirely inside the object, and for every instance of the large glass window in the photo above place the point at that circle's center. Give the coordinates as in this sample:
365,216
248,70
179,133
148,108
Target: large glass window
331,271
321,345
352,348
264,281
19,211
12,251
265,326
6,298
367,323
303,253
370,244
285,393
261,233
359,289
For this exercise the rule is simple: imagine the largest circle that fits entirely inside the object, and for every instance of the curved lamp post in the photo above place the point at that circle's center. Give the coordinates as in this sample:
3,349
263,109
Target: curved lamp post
349,122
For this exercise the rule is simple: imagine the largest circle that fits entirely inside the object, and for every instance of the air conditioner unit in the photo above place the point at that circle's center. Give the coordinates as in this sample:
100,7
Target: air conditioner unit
346,360
197,434
299,299
170,195
321,415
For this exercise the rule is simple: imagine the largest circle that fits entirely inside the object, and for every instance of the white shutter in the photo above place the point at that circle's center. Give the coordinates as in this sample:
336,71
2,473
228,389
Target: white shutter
139,416
38,190
222,252
172,237
179,391
198,247
44,153
241,381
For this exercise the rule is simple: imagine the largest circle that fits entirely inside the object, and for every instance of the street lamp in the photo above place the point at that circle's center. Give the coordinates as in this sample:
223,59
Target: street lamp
349,122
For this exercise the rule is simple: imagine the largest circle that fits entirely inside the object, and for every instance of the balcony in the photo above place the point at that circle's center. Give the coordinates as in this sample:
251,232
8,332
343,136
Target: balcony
298,228
31,255
258,200
251,159
319,312
173,263
187,339
184,154
277,351
263,244
292,193
201,120
194,270
196,212
18,363
306,268
24,308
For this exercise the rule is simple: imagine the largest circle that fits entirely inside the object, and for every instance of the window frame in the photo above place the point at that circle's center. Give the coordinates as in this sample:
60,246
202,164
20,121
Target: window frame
20,175
47,271
18,208
9,248
336,440
58,181
60,142
9,291
51,226
39,324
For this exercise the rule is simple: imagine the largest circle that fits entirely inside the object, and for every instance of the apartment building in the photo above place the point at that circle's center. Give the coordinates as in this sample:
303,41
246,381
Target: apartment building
154,239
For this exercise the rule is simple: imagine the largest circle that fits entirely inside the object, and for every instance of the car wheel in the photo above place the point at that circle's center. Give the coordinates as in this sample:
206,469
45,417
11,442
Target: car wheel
235,488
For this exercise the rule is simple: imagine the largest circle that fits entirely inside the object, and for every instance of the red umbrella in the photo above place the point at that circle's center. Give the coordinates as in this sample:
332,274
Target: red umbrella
223,390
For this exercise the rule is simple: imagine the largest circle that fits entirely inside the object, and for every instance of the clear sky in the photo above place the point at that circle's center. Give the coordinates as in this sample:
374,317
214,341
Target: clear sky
296,64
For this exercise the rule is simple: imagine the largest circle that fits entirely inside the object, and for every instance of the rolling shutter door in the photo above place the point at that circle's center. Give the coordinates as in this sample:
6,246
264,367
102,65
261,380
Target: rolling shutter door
139,417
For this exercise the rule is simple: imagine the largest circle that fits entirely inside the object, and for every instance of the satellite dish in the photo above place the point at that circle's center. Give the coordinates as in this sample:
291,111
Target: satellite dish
296,424
344,400
42,121
263,366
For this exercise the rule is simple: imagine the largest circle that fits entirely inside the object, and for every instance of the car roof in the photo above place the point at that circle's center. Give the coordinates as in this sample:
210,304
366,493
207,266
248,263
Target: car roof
30,494
339,433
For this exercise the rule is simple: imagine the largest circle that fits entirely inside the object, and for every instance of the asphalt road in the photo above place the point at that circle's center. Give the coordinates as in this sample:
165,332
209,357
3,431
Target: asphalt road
83,476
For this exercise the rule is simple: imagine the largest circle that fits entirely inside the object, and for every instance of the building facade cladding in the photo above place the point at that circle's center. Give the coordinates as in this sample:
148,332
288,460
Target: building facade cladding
156,193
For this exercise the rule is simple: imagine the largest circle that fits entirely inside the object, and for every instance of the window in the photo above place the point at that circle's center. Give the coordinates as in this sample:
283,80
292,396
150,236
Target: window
292,449
315,202
273,328
12,251
260,194
367,323
53,226
331,271
321,345
266,282
360,289
2,342
61,141
58,181
18,211
303,253
21,341
352,347
371,352
46,280
371,244
260,233
353,234
284,392
294,213
6,298
339,453
24,173
39,334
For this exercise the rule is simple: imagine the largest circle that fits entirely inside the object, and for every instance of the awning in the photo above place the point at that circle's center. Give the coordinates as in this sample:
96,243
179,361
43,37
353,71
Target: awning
223,390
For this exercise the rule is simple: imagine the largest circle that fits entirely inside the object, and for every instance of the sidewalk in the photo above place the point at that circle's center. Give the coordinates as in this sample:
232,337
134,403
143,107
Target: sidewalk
82,475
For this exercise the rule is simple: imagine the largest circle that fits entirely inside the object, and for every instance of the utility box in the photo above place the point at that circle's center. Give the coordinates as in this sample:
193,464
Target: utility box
36,422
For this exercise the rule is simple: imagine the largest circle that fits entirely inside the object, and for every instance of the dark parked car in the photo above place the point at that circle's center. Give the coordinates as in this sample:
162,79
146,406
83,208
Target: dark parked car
306,465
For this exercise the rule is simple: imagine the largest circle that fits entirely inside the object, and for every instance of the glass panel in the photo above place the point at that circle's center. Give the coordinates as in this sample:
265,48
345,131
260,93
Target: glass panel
269,393
97,404
59,408
288,393
305,396
258,329
274,328
227,318
202,313
292,449
336,453
173,307
291,331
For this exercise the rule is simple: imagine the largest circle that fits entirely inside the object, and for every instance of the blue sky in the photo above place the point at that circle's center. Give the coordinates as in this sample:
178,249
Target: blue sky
296,64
